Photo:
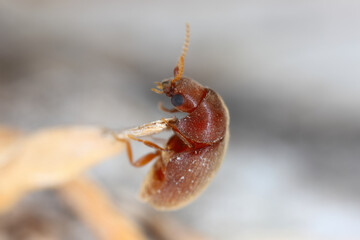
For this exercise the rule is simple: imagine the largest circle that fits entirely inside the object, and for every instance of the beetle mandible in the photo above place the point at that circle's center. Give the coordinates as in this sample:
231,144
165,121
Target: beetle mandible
193,155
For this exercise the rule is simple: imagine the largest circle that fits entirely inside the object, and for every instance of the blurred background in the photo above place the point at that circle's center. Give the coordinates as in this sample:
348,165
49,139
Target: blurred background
288,70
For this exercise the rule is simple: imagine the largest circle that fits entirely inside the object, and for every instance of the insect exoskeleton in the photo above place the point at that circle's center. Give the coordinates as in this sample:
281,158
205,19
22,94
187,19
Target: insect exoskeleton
196,150
192,156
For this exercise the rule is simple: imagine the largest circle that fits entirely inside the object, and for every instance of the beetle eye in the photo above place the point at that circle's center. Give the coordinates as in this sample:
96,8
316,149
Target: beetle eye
177,100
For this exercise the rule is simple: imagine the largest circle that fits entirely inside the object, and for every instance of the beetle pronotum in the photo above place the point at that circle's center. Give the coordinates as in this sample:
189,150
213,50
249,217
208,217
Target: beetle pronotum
192,156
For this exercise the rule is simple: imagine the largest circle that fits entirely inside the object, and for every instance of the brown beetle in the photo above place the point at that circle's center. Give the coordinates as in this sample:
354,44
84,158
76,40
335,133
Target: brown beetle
192,156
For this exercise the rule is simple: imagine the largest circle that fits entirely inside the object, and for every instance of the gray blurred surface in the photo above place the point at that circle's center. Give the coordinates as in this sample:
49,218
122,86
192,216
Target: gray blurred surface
288,70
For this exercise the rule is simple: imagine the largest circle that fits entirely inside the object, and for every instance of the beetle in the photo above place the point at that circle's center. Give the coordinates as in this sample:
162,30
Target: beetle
193,154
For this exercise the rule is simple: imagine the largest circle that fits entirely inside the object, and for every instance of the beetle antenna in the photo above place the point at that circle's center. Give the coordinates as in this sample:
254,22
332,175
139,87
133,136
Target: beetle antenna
187,40
179,69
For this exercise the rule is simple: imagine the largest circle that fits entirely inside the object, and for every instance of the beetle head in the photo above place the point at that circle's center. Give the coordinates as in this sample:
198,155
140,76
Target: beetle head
185,93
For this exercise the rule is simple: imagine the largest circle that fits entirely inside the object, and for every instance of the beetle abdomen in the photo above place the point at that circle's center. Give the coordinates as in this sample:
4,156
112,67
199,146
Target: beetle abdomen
175,182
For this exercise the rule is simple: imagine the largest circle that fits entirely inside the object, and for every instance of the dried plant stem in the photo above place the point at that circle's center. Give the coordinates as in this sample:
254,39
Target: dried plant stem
94,208
145,129
49,158
7,137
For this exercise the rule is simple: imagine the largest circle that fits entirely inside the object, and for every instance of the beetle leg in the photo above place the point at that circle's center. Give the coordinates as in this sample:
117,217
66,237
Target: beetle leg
176,130
173,110
141,161
145,159
147,143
